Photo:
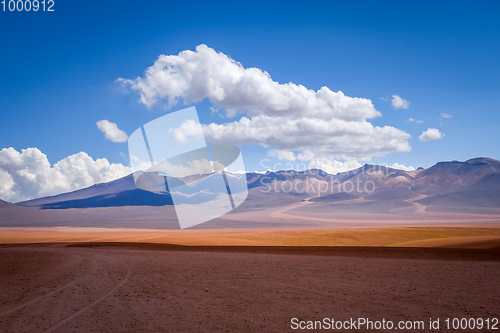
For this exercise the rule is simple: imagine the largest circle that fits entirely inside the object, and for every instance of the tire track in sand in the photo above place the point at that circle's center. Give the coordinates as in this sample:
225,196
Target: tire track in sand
99,300
35,300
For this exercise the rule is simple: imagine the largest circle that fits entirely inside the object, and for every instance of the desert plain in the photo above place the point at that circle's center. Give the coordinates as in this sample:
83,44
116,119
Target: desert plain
417,267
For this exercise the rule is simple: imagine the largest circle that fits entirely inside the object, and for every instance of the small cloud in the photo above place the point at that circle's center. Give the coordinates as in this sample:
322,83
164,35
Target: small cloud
431,134
111,131
188,128
446,116
411,120
282,154
399,103
334,166
402,167
125,157
216,110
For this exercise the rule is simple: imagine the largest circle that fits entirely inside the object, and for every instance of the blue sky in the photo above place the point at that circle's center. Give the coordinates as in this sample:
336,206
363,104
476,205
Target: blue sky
58,69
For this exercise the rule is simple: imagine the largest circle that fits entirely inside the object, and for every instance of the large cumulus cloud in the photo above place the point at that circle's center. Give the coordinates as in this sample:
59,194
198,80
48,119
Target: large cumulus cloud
28,174
320,124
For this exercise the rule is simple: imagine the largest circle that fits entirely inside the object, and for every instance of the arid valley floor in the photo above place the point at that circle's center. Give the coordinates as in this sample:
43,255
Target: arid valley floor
60,279
275,258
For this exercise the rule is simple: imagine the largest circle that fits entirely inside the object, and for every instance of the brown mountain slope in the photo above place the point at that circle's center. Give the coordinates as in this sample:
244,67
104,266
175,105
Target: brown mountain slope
4,204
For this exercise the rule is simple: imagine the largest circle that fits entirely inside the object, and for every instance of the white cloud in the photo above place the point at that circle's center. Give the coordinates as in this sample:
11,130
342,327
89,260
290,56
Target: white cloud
187,128
28,174
431,134
6,185
287,117
415,120
399,103
402,167
111,131
205,73
196,167
282,154
333,166
446,115
334,138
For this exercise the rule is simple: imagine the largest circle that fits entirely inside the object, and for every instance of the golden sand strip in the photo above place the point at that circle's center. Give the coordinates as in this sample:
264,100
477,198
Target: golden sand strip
468,237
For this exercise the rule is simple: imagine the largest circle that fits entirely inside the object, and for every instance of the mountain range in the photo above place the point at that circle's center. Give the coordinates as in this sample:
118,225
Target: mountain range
473,183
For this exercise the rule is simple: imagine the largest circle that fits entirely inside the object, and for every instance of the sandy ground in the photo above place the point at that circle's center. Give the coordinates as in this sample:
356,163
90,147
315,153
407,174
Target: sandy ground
97,270
308,213
164,288
473,236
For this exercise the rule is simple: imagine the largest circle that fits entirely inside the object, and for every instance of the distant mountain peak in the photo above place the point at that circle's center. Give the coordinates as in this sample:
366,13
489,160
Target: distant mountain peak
482,160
